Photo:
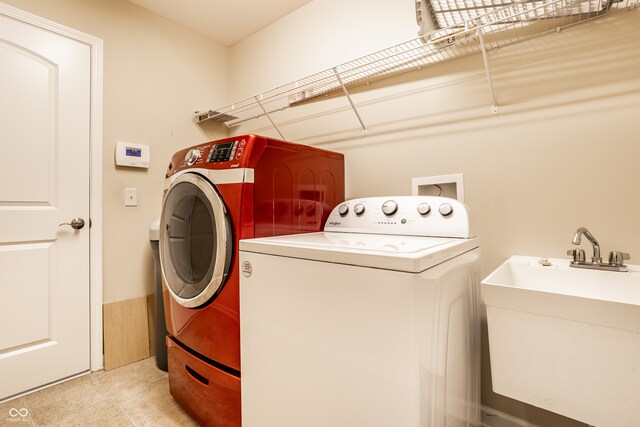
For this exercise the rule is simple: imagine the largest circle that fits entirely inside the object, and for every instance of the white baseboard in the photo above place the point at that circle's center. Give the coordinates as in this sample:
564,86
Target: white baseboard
493,418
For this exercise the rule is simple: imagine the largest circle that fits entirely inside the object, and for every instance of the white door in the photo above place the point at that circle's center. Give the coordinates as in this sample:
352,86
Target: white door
44,181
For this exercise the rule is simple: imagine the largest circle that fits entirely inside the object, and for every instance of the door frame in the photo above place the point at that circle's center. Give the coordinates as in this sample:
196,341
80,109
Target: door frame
95,170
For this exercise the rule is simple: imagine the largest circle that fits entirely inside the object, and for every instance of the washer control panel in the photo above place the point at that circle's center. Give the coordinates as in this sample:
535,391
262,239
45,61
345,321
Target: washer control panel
402,215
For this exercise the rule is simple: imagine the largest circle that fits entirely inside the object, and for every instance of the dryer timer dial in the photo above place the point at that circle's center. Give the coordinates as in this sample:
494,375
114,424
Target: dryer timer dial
192,156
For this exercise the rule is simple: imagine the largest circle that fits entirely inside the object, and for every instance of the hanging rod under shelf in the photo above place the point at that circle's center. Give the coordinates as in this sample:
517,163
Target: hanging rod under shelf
498,27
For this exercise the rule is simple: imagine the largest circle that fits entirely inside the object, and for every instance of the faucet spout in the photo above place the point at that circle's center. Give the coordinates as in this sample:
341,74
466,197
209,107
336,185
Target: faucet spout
577,236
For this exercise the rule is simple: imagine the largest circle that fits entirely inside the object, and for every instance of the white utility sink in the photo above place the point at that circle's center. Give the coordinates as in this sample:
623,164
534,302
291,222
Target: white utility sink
566,339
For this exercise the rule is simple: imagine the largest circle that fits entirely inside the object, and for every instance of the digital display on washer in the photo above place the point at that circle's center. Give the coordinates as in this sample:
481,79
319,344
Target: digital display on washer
223,152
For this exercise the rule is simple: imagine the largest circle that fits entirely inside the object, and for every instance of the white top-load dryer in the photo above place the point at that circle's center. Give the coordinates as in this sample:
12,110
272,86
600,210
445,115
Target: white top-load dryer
373,322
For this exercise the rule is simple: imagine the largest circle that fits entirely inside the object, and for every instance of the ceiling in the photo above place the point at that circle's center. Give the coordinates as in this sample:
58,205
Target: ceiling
225,21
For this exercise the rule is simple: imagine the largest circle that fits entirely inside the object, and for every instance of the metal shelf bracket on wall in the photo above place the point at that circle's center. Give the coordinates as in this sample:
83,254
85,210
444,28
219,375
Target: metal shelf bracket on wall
353,106
258,100
455,29
485,57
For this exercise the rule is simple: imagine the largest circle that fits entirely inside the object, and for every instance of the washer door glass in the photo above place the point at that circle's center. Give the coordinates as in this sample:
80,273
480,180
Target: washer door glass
195,241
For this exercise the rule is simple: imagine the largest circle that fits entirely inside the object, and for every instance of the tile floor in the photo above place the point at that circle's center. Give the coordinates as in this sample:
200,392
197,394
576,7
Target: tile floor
136,394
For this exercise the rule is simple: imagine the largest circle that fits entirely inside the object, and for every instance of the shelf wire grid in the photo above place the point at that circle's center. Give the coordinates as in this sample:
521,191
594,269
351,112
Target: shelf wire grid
499,26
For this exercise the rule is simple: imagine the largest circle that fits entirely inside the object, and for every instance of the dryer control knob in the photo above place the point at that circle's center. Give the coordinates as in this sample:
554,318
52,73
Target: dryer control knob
343,210
358,209
445,209
389,207
192,156
424,208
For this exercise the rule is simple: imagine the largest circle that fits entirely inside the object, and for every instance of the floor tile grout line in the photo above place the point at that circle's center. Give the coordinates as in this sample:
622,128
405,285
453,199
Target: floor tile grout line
135,423
95,380
111,399
70,392
108,396
26,405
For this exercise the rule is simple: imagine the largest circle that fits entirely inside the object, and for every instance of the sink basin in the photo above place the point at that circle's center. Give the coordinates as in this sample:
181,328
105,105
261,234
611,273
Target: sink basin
566,339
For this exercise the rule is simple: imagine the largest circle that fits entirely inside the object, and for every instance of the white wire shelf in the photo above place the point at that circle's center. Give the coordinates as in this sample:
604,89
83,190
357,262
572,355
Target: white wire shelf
463,27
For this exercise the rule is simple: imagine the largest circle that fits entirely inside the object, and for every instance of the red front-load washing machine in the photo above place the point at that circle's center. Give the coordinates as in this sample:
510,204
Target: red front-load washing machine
217,193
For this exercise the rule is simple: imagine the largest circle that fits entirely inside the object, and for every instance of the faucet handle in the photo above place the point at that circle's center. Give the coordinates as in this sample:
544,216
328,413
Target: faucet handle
577,254
617,258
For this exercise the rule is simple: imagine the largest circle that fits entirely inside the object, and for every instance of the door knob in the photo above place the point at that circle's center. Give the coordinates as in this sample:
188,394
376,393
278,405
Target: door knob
76,223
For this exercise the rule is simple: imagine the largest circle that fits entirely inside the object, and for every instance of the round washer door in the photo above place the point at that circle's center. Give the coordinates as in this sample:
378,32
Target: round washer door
195,241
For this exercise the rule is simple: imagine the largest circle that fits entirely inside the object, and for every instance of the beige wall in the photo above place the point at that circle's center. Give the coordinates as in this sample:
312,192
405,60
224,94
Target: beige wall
156,74
563,151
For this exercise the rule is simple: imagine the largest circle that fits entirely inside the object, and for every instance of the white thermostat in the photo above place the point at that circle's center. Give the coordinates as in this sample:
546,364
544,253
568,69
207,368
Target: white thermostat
132,155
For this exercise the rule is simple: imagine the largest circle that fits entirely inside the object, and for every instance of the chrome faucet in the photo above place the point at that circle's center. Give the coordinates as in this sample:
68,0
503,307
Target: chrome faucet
616,258
577,236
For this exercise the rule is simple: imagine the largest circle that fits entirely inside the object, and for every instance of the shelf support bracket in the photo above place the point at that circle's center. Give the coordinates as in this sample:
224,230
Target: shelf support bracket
353,106
257,98
485,57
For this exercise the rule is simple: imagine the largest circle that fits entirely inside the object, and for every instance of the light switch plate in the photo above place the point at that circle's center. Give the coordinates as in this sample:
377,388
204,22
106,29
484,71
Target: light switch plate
131,197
